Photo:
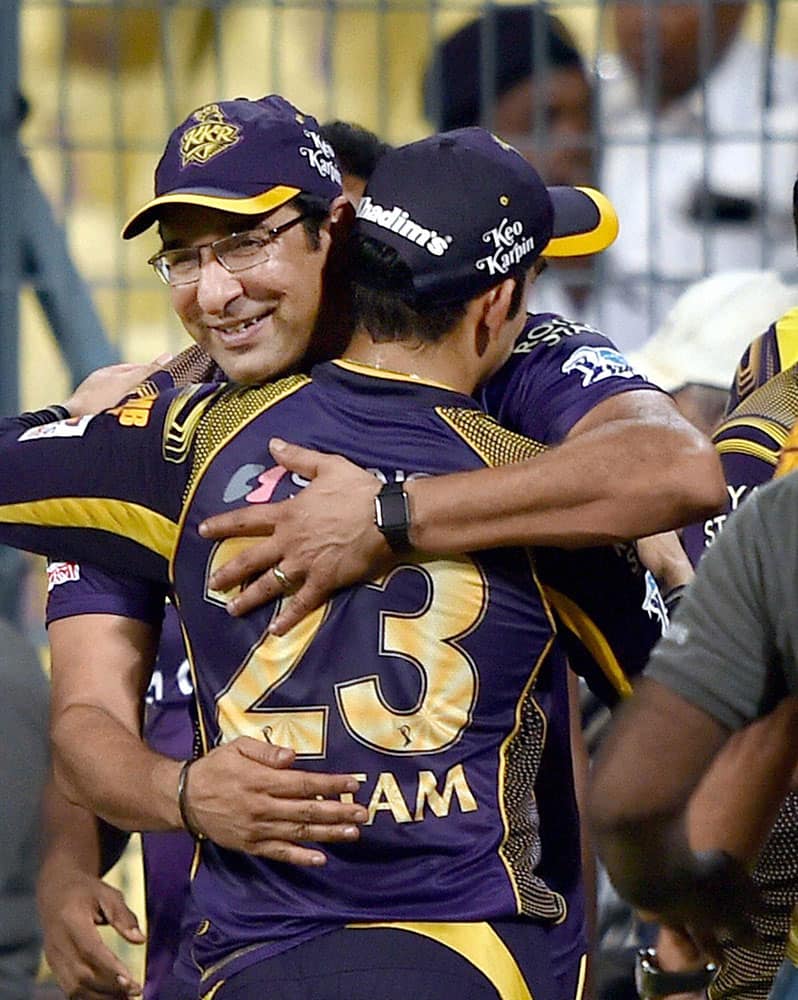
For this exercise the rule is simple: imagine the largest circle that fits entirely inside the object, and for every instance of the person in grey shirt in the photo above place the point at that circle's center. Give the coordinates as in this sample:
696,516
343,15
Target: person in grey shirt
730,658
24,766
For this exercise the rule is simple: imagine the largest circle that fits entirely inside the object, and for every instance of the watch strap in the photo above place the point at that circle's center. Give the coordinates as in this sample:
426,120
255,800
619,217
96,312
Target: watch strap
392,516
653,982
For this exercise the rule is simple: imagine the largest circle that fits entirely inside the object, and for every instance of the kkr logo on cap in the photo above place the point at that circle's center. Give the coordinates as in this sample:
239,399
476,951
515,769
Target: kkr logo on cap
212,135
398,221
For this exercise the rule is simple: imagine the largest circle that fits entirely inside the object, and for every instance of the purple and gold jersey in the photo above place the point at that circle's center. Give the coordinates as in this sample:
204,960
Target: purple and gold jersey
749,442
770,353
608,604
440,684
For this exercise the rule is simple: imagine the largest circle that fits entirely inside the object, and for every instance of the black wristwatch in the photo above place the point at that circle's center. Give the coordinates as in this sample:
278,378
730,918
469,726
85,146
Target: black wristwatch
392,516
652,981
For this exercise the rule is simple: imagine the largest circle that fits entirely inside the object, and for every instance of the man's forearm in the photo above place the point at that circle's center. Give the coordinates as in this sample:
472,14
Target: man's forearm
616,482
71,834
114,774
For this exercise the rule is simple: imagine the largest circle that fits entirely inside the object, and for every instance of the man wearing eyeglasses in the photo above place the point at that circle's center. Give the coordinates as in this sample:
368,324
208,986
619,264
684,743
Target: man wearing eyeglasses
256,312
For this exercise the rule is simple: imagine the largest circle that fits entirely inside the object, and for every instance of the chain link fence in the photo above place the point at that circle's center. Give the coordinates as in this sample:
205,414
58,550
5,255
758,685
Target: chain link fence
701,175
685,114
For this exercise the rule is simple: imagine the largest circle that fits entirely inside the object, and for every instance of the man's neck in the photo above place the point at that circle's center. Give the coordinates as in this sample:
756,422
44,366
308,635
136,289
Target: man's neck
443,362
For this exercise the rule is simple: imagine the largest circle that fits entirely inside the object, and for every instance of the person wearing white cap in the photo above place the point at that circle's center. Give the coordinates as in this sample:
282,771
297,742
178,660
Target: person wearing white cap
694,352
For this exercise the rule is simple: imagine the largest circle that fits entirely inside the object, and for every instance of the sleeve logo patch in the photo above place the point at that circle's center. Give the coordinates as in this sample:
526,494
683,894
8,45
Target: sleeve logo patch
61,572
74,427
595,364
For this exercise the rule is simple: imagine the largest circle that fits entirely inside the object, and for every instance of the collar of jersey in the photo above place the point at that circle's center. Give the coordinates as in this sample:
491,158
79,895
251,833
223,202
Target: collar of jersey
360,368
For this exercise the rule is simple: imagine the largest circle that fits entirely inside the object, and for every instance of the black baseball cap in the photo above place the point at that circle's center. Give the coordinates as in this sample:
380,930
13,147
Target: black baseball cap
461,208
241,156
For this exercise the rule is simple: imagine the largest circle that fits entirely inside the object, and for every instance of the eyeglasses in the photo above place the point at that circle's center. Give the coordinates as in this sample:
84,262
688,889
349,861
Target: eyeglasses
235,253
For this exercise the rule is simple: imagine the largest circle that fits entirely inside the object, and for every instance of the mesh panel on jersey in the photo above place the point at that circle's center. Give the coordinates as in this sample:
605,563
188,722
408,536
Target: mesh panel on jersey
521,848
193,365
747,974
493,443
236,407
190,367
777,400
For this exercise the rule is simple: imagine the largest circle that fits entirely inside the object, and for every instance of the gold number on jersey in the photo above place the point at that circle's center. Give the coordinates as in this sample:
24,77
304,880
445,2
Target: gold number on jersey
427,639
241,707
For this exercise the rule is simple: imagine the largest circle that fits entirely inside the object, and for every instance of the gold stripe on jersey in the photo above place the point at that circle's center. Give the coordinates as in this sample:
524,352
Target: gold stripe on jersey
519,760
119,517
592,638
788,460
479,944
234,409
580,983
492,443
739,446
213,990
181,422
787,339
773,429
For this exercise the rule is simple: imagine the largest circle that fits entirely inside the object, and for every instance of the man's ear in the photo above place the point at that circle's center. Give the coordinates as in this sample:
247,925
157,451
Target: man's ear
491,313
342,213
497,301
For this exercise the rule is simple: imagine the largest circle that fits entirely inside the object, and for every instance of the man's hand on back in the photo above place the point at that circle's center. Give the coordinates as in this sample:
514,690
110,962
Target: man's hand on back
245,796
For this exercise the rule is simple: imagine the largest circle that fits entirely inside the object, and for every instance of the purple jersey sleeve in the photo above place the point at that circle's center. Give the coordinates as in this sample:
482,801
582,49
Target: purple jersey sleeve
608,606
106,488
768,354
558,371
749,444
82,589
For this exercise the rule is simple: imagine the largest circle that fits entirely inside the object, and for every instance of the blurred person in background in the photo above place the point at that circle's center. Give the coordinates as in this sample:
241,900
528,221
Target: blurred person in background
518,71
699,146
24,766
693,353
357,151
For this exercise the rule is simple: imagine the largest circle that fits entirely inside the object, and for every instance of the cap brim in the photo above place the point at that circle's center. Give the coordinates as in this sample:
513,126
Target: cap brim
585,222
222,200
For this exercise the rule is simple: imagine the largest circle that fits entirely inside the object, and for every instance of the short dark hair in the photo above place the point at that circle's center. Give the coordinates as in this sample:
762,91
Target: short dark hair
316,210
357,150
498,50
385,302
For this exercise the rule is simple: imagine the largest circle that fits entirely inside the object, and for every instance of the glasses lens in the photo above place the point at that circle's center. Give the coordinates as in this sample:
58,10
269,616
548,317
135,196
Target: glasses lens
241,251
178,267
